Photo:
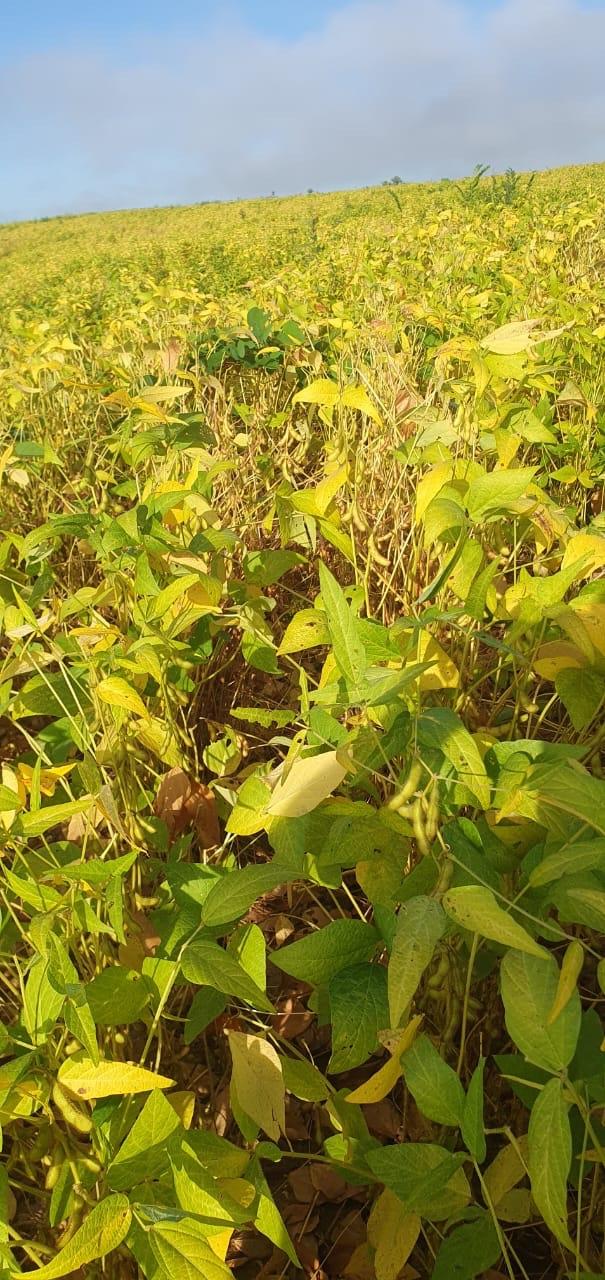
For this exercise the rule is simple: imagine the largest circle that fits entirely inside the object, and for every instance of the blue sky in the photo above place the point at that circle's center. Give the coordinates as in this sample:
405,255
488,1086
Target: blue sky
138,102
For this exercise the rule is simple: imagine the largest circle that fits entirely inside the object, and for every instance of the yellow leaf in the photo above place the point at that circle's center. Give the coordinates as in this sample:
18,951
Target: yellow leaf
444,673
556,656
14,783
306,783
48,777
220,1243
116,692
385,1079
322,391
328,488
571,967
86,1081
506,1170
392,1232
258,1082
358,398
430,485
474,907
590,548
592,616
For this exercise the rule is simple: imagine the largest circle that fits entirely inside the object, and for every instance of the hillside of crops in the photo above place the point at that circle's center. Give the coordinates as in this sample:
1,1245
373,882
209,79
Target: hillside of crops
302,684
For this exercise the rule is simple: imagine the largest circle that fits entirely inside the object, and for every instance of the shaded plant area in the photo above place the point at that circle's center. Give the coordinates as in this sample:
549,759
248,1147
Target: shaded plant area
302,678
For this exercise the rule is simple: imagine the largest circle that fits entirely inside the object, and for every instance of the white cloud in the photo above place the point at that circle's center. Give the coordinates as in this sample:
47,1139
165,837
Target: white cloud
424,88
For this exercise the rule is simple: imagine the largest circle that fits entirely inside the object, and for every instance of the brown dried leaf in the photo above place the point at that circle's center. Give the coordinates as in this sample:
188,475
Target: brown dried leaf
169,356
330,1183
301,1184
182,802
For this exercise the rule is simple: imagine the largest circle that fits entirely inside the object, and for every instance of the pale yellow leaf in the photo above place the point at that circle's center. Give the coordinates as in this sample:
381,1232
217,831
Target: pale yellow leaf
259,1083
306,783
512,338
392,1233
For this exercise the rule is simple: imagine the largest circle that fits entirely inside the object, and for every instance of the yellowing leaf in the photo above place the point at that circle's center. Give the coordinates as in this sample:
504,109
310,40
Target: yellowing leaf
392,1233
474,907
116,692
306,783
102,1231
87,1082
571,968
506,1170
307,629
258,1081
385,1079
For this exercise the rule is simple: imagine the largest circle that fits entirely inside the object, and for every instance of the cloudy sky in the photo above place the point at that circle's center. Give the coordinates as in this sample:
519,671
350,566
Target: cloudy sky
137,102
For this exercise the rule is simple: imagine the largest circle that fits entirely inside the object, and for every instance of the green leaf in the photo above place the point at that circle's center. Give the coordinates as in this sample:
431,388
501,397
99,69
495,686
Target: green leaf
207,965
268,1219
550,793
425,1177
198,1193
232,895
435,1088
206,1005
581,693
469,1251
472,1127
117,996
102,1231
183,1252
442,730
474,907
582,855
549,1160
497,491
143,1154
247,945
580,903
304,1080
42,1003
322,954
359,1009
52,815
348,647
529,988
420,924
